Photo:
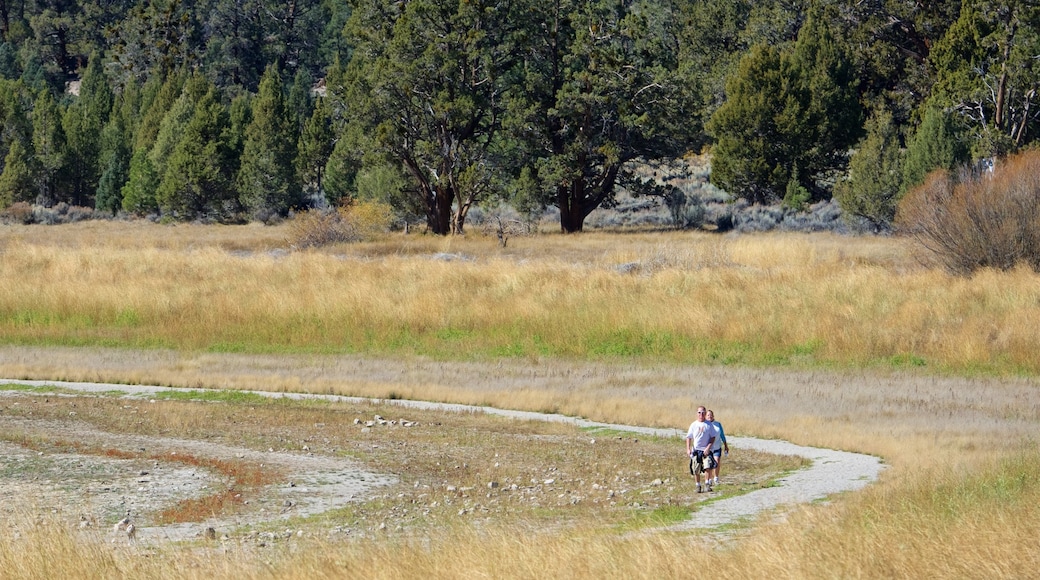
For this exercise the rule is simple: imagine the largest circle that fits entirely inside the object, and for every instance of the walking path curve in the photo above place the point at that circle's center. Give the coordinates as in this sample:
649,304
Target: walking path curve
831,471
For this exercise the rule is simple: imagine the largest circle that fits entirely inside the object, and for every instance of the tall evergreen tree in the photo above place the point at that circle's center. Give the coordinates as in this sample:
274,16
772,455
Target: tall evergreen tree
10,67
299,103
600,88
787,113
15,99
114,162
49,149
340,174
117,141
174,122
294,33
82,123
156,38
333,45
240,113
267,180
197,181
138,194
235,45
711,41
988,73
18,180
314,149
425,86
156,102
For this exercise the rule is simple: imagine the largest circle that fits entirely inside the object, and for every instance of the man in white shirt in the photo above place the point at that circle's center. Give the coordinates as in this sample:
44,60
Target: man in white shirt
699,441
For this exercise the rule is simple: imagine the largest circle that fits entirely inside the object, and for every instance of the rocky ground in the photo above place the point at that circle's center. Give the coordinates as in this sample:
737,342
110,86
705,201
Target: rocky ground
564,471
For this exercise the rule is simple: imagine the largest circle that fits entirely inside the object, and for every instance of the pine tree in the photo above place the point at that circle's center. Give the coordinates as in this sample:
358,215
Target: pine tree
139,192
18,181
14,120
341,171
82,123
313,150
10,68
197,180
299,105
49,149
174,122
156,102
240,114
267,180
115,164
235,49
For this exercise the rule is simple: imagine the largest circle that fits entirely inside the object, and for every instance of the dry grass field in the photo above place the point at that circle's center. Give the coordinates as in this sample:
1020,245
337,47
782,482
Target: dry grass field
847,343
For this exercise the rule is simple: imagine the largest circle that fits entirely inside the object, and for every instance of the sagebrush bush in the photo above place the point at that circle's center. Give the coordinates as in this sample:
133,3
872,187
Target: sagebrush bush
19,212
352,223
985,220
25,213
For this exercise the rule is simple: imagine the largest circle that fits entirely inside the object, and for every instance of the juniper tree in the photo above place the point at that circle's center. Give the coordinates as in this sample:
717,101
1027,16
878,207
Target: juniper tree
17,182
787,112
600,87
49,150
425,87
197,183
83,121
873,186
936,144
138,194
266,180
314,149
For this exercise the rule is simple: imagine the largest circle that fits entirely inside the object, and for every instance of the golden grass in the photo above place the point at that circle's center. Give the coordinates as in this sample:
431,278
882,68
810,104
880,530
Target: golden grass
763,300
935,524
934,373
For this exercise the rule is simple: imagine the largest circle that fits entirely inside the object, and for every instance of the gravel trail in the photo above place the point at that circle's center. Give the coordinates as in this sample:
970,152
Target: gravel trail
831,471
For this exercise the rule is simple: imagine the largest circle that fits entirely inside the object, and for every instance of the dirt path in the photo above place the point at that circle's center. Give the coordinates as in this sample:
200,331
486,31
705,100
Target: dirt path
324,483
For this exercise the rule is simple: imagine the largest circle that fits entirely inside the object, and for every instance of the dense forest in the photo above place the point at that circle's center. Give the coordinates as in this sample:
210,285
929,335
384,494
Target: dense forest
236,110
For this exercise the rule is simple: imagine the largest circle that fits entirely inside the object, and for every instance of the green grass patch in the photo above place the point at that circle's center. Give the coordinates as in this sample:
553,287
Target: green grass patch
211,395
17,387
41,389
907,360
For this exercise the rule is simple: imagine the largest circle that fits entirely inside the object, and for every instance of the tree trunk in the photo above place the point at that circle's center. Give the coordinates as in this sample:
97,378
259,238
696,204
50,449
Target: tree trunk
572,214
438,210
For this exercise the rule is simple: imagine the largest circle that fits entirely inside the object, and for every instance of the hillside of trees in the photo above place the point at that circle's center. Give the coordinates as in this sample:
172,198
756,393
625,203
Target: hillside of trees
238,110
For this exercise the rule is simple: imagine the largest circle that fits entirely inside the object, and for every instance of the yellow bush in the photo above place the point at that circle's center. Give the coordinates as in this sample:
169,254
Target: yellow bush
358,221
369,218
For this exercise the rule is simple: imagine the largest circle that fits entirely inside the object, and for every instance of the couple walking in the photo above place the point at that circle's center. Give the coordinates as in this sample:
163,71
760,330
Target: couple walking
704,444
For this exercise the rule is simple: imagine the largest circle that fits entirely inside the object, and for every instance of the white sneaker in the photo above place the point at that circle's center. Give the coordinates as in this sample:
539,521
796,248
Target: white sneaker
716,481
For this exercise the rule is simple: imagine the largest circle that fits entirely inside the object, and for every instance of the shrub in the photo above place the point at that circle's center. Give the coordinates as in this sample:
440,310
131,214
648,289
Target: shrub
19,212
317,228
352,223
687,211
987,220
